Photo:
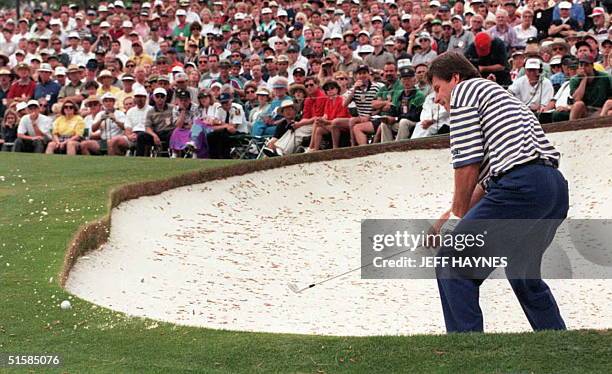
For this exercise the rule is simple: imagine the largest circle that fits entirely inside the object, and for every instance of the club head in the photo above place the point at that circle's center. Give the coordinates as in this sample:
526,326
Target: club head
294,288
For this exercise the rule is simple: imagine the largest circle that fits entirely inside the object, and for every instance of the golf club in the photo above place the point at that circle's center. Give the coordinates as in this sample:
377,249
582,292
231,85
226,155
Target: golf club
293,287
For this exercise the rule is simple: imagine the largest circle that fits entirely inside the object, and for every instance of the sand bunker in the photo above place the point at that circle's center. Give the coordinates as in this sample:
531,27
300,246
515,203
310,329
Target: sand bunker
220,254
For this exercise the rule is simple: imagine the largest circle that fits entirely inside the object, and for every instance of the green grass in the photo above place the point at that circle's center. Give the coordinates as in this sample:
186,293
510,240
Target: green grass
93,339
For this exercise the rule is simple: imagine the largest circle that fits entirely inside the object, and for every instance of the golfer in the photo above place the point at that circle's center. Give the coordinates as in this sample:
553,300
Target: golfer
504,169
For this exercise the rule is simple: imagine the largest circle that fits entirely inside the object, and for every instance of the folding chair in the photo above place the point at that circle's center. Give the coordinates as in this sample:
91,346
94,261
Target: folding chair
248,147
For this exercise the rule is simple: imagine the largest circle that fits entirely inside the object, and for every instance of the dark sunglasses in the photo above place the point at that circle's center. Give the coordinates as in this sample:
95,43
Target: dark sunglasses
66,106
160,96
310,85
250,91
341,78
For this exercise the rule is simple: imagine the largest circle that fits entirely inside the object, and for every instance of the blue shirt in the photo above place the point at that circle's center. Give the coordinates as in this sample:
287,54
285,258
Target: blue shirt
577,13
558,79
491,127
51,88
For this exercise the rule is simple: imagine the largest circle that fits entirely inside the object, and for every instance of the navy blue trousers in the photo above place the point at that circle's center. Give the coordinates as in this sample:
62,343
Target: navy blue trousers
538,196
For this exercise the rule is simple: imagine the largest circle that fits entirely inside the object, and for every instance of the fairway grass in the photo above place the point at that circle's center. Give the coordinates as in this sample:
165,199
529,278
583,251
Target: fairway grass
44,199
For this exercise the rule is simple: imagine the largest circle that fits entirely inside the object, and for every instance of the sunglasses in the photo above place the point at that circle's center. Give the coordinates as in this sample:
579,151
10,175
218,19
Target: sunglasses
341,78
67,107
159,96
250,91
91,105
130,66
310,85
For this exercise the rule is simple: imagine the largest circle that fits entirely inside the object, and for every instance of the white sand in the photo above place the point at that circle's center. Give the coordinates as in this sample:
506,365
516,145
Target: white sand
220,254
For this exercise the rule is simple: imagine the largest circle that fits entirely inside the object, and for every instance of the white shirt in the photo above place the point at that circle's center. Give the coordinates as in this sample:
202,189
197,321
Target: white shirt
539,94
81,58
236,117
136,118
434,112
562,95
45,124
108,128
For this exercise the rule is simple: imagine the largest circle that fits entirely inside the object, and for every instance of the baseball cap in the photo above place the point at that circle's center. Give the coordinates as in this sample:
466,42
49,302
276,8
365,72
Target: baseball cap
180,12
183,94
598,11
362,67
286,104
299,70
377,19
33,102
565,5
482,42
556,60
45,68
21,106
140,91
127,24
161,91
108,96
225,97
407,72
533,63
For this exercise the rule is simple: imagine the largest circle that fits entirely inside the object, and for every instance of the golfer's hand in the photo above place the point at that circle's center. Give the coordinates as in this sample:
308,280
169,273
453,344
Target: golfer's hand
435,229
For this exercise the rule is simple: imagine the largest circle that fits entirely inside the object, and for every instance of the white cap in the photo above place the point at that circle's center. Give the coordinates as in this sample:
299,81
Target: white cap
423,35
146,5
404,63
104,24
533,63
140,91
180,12
46,68
281,13
74,34
364,32
565,5
216,84
390,41
366,49
434,3
556,60
286,104
60,71
55,21
178,69
160,90
21,106
108,95
377,18
119,3
266,11
102,8
336,35
406,17
33,102
239,16
127,24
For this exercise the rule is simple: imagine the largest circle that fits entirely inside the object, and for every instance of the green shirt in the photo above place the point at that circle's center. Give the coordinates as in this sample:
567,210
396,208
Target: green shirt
394,92
597,91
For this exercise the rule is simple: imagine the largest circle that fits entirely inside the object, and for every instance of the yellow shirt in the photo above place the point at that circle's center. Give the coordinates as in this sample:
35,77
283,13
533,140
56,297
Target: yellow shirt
64,126
116,91
143,59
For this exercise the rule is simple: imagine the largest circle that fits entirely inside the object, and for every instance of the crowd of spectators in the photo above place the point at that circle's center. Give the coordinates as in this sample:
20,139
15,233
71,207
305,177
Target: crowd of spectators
201,76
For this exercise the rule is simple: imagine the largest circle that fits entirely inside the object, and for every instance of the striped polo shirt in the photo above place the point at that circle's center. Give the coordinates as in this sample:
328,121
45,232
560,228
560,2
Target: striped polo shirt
363,97
491,127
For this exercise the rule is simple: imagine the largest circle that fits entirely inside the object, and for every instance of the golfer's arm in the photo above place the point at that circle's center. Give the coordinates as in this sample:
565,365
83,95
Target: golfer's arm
466,179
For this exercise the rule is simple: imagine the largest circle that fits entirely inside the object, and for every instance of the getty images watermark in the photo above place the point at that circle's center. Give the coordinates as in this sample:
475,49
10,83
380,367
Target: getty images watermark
577,249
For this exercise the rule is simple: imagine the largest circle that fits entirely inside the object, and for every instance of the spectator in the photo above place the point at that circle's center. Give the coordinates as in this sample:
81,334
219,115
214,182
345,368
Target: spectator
67,130
334,109
158,124
111,123
561,26
503,31
589,89
560,106
227,120
23,89
405,111
532,89
425,54
434,119
34,131
599,28
461,38
379,57
264,124
183,116
8,131
488,55
525,29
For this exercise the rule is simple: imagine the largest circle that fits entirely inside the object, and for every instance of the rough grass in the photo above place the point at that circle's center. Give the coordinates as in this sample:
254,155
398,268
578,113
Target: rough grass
91,339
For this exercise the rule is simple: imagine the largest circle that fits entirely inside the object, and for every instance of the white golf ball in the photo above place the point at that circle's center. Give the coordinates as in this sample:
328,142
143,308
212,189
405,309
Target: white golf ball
65,305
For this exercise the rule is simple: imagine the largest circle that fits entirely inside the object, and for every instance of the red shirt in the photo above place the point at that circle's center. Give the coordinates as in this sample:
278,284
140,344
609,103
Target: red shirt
19,90
334,108
314,106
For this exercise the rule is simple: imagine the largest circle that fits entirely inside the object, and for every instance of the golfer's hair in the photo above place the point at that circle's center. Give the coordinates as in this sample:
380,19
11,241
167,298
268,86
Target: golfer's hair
450,63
